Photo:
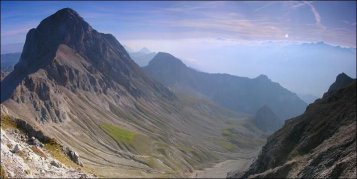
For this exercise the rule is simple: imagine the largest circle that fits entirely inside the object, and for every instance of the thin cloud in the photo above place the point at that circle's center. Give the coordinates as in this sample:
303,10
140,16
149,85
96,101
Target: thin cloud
263,7
314,11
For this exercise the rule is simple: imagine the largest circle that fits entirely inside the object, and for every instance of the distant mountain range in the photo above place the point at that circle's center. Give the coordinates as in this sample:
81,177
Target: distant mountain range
142,57
321,143
239,94
8,62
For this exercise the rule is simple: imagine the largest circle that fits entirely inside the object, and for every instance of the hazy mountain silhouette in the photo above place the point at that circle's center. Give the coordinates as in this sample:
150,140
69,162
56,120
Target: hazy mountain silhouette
142,57
9,60
239,94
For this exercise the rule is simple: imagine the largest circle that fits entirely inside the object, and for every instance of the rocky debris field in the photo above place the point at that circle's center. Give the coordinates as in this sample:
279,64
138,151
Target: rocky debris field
22,157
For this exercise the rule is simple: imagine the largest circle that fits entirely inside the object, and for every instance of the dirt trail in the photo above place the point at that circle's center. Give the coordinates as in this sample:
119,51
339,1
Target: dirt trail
220,170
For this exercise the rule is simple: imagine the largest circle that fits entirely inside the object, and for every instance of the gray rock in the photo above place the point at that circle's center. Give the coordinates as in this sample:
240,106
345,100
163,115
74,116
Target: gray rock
56,164
73,156
34,141
15,149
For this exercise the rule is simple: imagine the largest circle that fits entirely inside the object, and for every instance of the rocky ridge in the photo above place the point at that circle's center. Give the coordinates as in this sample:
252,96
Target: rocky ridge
321,143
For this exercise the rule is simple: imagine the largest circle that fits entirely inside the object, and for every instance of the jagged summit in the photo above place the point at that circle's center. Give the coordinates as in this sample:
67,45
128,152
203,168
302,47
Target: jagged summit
144,50
64,45
63,27
342,80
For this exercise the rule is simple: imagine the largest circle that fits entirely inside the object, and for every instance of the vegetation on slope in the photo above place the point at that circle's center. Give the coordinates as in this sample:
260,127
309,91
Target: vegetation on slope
2,173
118,133
8,123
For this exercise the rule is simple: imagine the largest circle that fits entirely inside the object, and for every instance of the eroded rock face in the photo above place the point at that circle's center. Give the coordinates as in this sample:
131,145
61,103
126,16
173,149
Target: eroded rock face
65,53
318,144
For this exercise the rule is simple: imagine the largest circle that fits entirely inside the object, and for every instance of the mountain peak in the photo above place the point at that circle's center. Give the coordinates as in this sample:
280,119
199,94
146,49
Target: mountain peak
342,76
63,27
262,77
342,80
144,50
166,60
65,16
67,11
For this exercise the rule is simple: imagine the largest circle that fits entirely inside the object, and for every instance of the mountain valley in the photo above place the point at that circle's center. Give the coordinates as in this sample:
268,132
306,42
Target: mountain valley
80,103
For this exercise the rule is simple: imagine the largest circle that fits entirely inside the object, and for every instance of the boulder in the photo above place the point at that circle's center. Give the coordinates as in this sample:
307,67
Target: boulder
73,156
56,164
15,149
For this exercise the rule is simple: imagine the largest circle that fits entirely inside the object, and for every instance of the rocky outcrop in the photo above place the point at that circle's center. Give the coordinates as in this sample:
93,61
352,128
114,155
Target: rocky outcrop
19,160
321,143
342,80
73,155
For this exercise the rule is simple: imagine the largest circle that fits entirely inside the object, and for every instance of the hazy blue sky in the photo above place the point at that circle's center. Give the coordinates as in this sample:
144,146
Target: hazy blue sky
227,37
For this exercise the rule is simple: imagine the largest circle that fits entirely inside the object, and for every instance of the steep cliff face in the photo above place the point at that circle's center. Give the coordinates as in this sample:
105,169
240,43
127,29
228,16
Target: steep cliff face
318,144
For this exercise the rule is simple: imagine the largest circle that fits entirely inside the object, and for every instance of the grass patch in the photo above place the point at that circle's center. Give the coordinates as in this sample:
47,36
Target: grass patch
118,133
8,123
226,145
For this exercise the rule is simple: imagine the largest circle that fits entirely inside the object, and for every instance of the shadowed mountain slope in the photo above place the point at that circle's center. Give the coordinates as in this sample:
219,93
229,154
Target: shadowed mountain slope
321,143
239,94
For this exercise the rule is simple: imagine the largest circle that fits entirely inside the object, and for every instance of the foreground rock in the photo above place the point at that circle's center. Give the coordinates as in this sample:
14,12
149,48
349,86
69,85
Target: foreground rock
321,143
19,160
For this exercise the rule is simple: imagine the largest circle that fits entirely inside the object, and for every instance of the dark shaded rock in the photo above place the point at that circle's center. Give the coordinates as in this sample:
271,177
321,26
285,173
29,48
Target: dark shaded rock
342,80
31,132
56,164
15,149
34,141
